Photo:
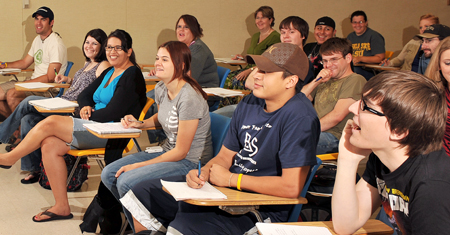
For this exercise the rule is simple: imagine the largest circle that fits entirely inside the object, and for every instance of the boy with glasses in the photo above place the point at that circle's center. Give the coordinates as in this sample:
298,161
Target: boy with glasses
399,125
334,89
368,45
431,38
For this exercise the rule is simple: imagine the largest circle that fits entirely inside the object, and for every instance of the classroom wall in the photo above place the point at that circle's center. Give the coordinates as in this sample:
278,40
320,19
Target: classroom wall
227,25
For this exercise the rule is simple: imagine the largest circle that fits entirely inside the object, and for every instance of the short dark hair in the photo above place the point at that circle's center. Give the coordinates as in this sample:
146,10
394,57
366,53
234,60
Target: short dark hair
358,13
414,105
266,11
180,55
127,43
298,23
193,25
100,36
336,45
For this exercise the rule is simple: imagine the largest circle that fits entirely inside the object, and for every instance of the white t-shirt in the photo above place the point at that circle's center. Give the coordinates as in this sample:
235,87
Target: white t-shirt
52,50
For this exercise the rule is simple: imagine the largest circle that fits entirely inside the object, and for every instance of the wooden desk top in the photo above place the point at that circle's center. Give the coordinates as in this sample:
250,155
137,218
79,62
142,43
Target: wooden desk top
230,61
42,110
379,67
372,227
244,92
55,85
238,198
115,136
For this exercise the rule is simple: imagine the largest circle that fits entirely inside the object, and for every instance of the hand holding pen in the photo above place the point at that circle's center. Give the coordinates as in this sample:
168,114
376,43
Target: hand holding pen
237,57
385,62
129,121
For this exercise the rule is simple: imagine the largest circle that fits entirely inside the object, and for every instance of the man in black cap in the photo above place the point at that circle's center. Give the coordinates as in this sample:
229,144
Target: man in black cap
269,149
324,30
431,38
48,53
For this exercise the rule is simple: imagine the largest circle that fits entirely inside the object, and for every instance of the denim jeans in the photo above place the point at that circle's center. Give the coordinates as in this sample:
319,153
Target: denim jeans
30,162
12,123
328,143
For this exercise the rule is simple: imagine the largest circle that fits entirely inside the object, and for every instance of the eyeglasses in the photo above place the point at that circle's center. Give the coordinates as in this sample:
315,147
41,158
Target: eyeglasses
110,48
331,61
428,40
358,22
365,107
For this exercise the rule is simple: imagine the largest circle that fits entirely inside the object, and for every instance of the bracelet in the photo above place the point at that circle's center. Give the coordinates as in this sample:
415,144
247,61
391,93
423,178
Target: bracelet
229,180
239,182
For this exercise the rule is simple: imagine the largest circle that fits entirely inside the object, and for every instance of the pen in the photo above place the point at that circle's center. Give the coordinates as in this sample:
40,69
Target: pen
385,61
318,79
199,166
239,57
135,121
56,73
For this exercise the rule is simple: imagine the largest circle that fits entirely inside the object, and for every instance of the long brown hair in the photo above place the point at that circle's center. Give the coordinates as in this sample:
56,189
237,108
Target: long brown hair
433,70
181,59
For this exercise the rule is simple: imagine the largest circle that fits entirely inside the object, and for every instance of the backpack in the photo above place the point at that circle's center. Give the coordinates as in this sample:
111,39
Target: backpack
80,175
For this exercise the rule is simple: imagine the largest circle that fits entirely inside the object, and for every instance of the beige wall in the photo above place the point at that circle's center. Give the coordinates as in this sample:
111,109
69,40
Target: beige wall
227,25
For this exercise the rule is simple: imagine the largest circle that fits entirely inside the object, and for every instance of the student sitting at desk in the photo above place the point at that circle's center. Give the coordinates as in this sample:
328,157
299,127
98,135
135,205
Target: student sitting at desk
26,116
269,149
183,115
119,90
399,125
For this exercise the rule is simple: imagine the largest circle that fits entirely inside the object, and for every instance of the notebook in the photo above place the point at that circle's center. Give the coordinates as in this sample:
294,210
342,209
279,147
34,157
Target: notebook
53,103
33,85
5,71
229,61
221,92
181,191
110,128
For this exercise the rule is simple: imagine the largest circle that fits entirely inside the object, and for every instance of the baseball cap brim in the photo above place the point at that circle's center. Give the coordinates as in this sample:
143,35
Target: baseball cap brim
427,35
263,63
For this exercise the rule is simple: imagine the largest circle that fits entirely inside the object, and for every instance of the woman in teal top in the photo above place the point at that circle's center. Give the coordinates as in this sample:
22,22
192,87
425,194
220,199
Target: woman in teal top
267,36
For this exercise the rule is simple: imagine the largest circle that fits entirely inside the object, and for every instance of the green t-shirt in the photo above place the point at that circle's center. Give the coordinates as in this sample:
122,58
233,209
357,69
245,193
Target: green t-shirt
258,48
326,95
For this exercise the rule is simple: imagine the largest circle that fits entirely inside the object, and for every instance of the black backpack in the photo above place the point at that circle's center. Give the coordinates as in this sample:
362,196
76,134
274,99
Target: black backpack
80,175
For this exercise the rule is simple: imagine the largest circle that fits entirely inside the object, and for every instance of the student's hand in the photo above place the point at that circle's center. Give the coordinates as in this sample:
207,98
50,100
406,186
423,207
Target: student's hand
357,60
346,149
243,75
152,72
193,181
127,168
61,78
85,112
129,121
385,62
237,57
219,175
325,74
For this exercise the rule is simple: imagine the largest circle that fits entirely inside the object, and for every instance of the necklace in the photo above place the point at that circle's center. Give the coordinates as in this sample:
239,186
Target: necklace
46,37
313,55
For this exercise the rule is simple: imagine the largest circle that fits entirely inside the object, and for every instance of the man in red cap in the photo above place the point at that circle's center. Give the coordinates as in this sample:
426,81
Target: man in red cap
48,53
269,149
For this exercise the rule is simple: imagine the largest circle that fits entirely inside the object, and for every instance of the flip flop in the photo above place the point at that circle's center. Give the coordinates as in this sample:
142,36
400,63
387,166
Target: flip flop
52,216
34,178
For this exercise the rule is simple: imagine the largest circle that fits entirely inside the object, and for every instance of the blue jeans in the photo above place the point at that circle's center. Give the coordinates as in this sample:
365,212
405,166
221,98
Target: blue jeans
328,143
30,162
12,123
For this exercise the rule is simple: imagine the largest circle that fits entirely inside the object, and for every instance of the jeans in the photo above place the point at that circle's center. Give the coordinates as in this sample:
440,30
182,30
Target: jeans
328,143
30,162
12,123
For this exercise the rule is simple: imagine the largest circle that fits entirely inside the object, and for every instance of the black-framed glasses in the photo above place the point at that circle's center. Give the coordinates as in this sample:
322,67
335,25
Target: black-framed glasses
117,48
365,107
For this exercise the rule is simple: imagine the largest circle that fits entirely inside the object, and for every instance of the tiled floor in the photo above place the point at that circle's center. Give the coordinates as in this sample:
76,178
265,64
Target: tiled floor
20,202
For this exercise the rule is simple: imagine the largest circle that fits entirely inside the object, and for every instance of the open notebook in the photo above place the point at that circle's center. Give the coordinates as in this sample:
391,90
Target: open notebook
110,128
181,191
53,103
282,229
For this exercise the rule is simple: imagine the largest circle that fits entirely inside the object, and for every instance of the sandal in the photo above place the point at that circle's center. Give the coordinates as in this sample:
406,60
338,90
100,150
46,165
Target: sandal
52,216
10,147
33,178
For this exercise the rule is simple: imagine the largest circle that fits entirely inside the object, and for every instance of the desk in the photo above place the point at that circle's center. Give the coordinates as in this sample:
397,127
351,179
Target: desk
238,202
380,68
14,72
42,110
231,62
45,89
372,227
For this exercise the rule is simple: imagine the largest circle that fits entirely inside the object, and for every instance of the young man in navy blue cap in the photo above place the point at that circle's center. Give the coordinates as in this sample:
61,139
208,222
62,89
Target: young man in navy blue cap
431,38
269,149
48,53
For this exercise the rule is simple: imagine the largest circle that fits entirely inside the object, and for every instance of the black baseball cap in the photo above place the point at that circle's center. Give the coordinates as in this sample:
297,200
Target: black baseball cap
44,12
326,21
435,30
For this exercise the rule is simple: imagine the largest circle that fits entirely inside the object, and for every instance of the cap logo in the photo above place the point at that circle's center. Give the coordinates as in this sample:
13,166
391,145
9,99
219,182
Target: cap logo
430,28
42,9
270,49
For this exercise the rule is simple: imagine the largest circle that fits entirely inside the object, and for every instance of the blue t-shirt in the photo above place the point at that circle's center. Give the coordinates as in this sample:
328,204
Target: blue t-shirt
268,142
103,94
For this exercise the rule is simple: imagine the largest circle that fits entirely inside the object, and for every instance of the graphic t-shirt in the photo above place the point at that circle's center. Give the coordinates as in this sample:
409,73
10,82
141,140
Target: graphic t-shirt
51,50
416,195
369,43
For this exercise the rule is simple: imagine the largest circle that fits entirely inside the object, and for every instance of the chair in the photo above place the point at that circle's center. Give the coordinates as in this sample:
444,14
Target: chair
93,153
388,54
69,66
328,156
295,213
223,74
219,129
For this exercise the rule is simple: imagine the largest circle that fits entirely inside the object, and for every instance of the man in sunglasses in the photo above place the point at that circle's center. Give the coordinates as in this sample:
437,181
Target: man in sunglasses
335,88
399,125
